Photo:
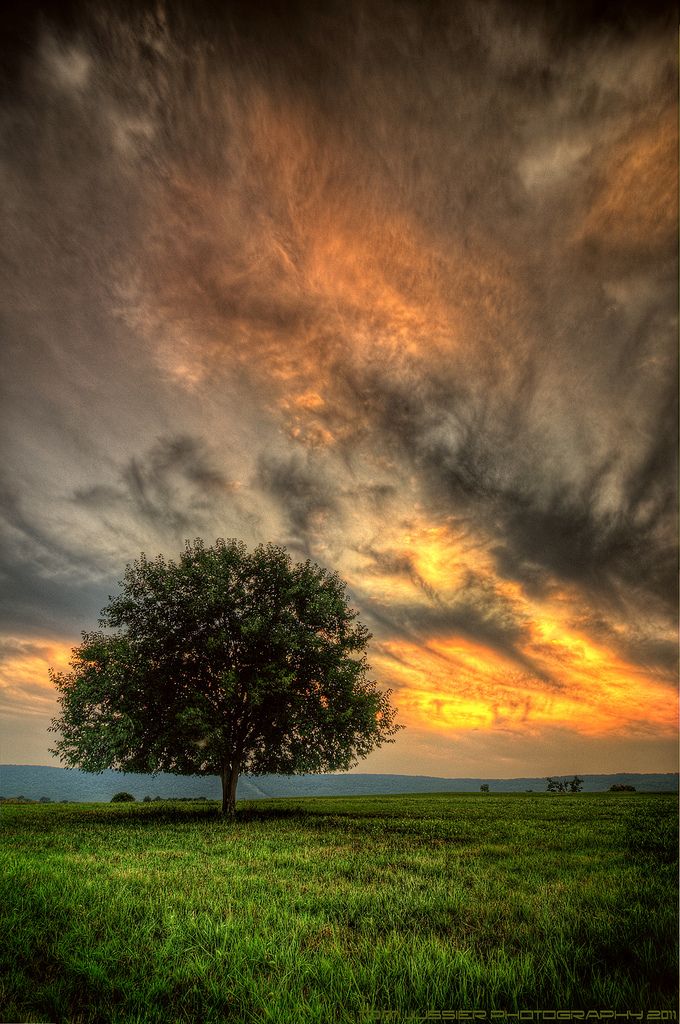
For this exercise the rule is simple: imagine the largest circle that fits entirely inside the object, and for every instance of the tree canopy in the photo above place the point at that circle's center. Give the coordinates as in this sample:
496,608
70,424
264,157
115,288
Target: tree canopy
222,662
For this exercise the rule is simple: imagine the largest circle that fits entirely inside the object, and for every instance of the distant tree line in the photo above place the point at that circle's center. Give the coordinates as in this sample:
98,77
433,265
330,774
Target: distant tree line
125,798
30,800
564,785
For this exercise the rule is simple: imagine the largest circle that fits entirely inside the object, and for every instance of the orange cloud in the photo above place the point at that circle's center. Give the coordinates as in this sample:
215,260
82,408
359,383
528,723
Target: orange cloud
637,200
456,685
447,682
24,676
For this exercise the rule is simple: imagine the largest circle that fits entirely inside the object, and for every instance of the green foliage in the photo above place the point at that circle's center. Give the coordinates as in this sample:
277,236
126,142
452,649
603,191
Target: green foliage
484,788
225,661
332,909
621,787
122,798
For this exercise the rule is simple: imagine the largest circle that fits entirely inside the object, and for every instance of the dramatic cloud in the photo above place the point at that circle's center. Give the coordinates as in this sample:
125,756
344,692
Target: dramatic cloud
393,284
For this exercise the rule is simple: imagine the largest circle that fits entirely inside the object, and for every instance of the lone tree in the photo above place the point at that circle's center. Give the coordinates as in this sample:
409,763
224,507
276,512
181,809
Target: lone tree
225,661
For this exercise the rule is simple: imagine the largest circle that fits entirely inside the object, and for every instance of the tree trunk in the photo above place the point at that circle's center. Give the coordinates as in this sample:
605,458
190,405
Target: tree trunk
229,779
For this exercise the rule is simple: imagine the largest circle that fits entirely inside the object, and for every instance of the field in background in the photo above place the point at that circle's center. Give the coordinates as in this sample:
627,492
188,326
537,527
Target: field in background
339,909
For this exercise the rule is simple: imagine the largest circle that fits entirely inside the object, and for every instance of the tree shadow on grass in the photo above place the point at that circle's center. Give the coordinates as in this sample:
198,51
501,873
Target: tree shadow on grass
143,815
139,815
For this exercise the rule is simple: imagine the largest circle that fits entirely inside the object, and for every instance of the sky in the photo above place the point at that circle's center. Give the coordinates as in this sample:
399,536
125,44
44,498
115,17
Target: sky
394,284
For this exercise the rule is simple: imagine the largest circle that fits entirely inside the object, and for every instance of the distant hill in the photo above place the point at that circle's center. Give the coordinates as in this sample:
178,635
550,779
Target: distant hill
35,781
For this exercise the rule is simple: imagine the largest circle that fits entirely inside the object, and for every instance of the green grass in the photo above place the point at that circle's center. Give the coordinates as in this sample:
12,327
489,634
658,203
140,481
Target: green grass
337,909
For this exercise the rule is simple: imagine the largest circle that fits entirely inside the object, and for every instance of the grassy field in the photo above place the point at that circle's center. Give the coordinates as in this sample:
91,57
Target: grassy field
343,909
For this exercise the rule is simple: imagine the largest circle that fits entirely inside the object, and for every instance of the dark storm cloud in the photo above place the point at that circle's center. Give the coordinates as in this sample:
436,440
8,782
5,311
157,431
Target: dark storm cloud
478,456
172,486
656,654
479,614
53,584
397,564
575,544
306,497
38,604
11,648
48,586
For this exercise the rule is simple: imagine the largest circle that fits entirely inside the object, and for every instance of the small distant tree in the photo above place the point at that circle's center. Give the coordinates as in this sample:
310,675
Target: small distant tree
223,662
621,787
122,798
576,785
484,788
